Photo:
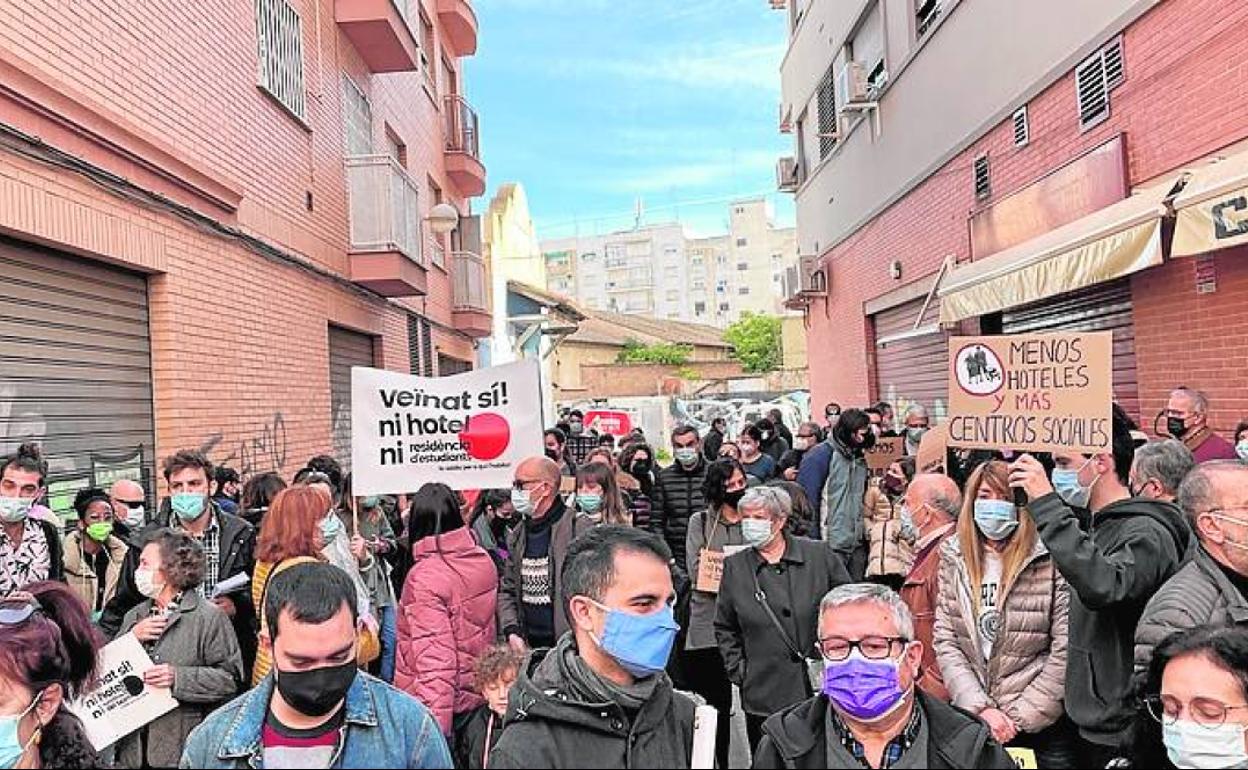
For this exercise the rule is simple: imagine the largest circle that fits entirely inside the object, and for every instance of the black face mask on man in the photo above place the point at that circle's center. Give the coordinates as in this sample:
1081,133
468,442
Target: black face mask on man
316,692
1176,426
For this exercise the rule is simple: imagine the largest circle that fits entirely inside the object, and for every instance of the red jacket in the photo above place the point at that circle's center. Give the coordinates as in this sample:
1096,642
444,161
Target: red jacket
445,622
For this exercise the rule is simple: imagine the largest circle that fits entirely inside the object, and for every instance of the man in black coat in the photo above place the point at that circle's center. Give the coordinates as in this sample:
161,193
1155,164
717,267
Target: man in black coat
678,491
866,628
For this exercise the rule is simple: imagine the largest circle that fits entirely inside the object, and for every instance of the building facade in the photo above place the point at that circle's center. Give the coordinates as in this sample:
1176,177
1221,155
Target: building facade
965,167
210,212
661,272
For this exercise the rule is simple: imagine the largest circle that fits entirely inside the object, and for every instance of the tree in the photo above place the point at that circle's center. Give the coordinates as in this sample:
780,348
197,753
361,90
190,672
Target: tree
756,342
659,353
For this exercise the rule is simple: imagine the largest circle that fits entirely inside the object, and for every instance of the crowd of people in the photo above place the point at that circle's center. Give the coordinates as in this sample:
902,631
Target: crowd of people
963,610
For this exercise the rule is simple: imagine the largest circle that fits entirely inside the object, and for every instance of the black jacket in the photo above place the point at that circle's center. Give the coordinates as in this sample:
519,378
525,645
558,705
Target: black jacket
775,447
677,496
237,555
797,738
755,656
547,726
711,444
1113,568
470,743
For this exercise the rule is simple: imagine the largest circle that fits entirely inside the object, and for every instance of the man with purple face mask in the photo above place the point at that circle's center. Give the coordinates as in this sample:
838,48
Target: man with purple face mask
869,712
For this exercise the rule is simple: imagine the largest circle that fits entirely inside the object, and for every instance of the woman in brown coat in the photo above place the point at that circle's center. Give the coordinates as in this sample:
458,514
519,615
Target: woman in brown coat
1001,621
890,539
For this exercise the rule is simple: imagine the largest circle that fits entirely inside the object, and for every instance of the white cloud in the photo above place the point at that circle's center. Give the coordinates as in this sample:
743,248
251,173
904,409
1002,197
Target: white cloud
710,170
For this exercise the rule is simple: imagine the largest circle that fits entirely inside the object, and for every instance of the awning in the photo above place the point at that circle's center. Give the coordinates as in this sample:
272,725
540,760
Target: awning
1212,211
1115,241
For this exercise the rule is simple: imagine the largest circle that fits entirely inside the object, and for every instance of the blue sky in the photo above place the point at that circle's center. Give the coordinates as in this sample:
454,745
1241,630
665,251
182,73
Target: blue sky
591,104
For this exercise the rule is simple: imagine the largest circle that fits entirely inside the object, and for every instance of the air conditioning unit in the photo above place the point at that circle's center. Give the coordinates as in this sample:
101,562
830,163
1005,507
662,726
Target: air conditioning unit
814,280
786,174
852,88
778,5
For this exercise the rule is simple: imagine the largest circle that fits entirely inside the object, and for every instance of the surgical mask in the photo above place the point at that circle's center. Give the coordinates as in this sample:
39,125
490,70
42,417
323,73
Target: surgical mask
867,690
100,530
589,503
372,501
145,582
576,428
756,532
522,501
317,692
915,435
15,509
189,506
641,644
734,498
134,516
907,523
1241,449
331,525
1190,744
996,519
1066,484
1176,426
766,435
801,443
748,449
686,455
11,748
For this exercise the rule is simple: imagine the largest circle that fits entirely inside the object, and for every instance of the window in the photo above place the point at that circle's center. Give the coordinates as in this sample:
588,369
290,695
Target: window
673,295
437,243
826,106
639,249
696,260
720,259
775,278
742,243
1095,77
426,50
983,186
672,272
743,290
279,38
589,256
698,284
358,116
1022,131
721,287
926,12
699,308
395,147
449,84
723,307
743,266
671,251
739,210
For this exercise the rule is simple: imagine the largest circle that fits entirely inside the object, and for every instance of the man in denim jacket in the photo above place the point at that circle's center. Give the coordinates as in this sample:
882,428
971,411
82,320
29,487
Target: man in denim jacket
316,709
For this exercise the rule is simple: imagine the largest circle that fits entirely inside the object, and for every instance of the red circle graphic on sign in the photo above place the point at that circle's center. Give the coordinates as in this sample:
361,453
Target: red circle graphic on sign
486,436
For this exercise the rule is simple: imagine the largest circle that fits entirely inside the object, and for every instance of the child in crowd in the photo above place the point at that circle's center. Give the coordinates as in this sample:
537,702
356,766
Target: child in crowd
493,675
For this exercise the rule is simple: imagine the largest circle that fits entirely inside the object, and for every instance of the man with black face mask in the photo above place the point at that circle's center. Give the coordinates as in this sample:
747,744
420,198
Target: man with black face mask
317,709
1187,419
834,475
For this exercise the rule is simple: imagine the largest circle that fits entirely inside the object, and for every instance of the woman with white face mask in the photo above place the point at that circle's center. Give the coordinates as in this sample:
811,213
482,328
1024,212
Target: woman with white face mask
1002,620
1195,701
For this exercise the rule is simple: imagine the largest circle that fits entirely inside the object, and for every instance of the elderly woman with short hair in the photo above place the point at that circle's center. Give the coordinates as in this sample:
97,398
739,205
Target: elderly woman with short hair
766,612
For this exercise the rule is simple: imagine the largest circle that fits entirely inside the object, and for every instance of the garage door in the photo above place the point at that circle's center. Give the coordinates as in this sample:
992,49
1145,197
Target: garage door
1098,308
346,349
911,369
75,369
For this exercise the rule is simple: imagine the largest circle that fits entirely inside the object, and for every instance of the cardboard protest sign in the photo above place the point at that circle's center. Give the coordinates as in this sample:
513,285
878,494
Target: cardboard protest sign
467,431
885,452
932,448
121,701
1034,392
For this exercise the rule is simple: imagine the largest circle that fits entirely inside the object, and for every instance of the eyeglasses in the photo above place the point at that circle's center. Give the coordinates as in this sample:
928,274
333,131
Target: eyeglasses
130,503
872,647
1206,712
1229,508
520,484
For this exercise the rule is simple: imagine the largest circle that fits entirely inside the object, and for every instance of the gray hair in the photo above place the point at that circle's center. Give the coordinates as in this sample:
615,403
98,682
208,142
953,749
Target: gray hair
1200,402
1196,493
916,410
1168,461
872,593
775,500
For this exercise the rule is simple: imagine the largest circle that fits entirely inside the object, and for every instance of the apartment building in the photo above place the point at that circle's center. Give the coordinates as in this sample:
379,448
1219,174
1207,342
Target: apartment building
209,212
662,272
971,167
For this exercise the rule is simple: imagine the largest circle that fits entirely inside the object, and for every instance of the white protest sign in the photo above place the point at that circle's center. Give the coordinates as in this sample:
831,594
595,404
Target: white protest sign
121,702
467,431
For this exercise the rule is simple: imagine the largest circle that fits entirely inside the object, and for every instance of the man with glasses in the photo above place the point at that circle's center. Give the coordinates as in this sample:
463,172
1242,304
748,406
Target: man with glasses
869,712
129,512
1212,588
529,587
1159,468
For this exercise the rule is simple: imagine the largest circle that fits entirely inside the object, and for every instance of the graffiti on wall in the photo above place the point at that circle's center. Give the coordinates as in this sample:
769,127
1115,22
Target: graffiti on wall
263,452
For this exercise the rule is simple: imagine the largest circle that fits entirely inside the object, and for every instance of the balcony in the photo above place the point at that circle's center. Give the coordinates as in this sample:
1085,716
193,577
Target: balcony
380,32
384,218
463,147
471,308
460,23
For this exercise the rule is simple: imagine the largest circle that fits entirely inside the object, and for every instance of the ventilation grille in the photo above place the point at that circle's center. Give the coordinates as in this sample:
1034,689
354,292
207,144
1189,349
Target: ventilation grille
1022,131
983,187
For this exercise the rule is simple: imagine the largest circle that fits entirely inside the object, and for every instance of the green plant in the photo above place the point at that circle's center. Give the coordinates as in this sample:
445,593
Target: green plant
756,342
667,353
687,373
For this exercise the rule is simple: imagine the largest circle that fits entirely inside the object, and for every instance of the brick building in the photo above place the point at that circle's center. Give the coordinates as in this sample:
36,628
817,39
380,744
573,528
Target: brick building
210,211
1064,164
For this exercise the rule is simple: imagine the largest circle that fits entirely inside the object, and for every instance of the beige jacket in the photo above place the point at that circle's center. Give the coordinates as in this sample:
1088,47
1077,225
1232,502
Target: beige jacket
1025,677
80,573
890,549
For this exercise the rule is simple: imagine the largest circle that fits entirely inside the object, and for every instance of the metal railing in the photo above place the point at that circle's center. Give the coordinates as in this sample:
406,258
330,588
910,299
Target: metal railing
468,281
462,126
437,251
383,207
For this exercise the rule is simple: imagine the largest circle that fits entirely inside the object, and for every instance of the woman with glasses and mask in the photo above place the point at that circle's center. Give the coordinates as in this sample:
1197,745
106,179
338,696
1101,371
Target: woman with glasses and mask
48,650
765,614
373,546
1194,701
713,535
1002,620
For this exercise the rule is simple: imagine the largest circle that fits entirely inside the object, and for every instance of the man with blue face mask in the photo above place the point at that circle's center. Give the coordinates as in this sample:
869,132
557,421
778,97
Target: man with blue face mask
30,548
1114,564
600,697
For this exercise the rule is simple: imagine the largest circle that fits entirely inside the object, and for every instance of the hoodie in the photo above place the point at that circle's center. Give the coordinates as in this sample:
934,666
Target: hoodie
561,714
1113,567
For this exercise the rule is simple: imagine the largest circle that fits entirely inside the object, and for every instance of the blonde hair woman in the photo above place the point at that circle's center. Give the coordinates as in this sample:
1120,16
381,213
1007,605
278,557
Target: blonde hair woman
1001,621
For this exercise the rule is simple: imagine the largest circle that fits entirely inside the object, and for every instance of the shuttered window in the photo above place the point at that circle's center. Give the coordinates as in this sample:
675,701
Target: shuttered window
346,349
75,369
358,115
827,114
448,365
983,183
1095,77
279,40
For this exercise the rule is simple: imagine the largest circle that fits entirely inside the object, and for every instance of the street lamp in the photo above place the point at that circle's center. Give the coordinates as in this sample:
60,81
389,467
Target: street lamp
443,218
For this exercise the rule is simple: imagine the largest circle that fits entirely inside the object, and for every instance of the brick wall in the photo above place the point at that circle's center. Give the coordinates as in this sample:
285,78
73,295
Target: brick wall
1181,99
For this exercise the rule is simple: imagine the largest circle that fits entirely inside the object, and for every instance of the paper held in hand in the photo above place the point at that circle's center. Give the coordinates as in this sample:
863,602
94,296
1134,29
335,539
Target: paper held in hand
121,702
711,567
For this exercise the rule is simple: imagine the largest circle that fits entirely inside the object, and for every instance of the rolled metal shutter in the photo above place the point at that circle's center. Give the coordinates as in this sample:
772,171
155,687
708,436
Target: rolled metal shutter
914,369
346,349
1106,307
76,369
